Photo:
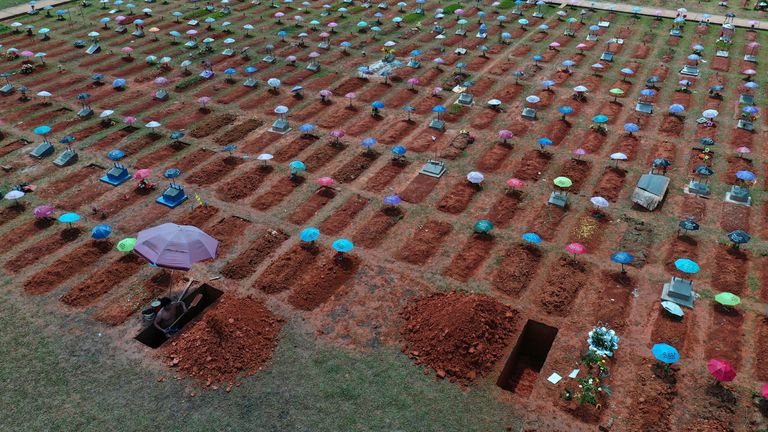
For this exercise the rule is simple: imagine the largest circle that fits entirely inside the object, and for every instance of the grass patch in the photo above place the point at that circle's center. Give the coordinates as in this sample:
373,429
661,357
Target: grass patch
4,28
413,17
451,8
187,82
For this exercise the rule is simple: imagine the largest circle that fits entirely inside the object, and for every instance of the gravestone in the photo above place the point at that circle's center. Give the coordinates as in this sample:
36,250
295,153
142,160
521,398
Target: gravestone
280,126
690,70
679,291
116,175
66,158
42,150
745,124
644,107
558,198
433,168
437,124
738,195
606,56
465,99
173,196
529,113
696,187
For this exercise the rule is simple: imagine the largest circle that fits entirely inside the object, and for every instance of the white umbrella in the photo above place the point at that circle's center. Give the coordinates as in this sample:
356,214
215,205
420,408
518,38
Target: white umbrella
44,94
710,114
580,89
533,99
599,201
264,157
106,113
475,177
619,156
152,125
14,195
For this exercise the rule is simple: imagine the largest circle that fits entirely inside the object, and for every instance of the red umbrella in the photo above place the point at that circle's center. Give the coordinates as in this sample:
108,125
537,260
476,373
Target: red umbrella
142,174
764,391
721,370
515,183
325,181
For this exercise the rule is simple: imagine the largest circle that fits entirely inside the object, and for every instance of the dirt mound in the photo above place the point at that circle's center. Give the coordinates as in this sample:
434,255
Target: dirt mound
459,335
236,336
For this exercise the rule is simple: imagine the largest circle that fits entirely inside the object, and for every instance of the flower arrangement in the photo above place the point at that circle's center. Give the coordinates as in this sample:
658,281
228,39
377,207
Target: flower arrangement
603,341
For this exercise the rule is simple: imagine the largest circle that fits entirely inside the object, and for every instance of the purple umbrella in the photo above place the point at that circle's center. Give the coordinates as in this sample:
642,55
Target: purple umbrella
175,247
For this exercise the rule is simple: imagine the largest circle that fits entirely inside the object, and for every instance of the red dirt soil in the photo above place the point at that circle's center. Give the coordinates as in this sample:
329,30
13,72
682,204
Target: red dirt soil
235,337
565,280
245,264
459,335
518,267
322,280
102,282
279,275
50,278
344,215
470,258
425,242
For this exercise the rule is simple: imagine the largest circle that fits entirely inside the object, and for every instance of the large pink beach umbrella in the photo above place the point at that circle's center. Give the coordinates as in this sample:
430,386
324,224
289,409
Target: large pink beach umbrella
722,370
175,247
576,249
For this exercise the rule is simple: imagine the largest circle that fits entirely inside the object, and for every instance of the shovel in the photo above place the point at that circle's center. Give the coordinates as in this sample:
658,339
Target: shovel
192,304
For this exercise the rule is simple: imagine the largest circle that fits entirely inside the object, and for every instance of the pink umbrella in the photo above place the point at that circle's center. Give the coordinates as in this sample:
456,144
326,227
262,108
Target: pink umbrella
337,133
326,93
721,370
745,71
459,12
27,54
350,96
505,134
314,54
161,81
129,120
413,81
192,32
175,247
332,25
515,183
576,249
324,35
743,150
581,46
291,59
44,211
325,181
126,50
202,100
142,174
764,391
554,45
119,18
436,91
279,14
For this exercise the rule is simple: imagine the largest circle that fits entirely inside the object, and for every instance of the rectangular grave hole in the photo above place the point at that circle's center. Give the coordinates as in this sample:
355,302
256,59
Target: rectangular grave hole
154,338
527,358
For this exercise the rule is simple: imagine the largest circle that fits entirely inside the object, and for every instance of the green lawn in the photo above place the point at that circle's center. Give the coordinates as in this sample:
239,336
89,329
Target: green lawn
58,374
8,3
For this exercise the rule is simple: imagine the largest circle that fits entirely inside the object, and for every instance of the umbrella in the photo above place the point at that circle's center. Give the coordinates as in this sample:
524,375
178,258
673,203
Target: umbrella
622,258
531,237
672,308
126,244
368,142
69,218
707,141
116,154
515,183
483,226
325,181
533,99
764,391
688,225
14,195
676,108
297,166
599,202
739,237
665,353
576,249
710,114
378,104
687,266
264,157
177,135
563,182
704,170
306,128
142,174
42,130
101,231
746,175
172,173
309,234
43,211
631,127
475,177
661,163
721,370
727,299
342,245
399,150
600,118
392,200
175,247
280,109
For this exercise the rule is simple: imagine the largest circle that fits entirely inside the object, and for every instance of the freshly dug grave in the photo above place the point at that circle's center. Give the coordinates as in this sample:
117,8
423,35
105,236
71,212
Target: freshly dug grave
236,336
459,335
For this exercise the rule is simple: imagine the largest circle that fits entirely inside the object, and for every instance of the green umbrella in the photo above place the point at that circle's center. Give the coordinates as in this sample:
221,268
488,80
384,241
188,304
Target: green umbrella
563,182
616,91
727,299
126,244
483,226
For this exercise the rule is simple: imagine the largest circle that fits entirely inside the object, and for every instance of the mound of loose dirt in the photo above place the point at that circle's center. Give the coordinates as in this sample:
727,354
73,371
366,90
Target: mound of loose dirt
459,335
236,336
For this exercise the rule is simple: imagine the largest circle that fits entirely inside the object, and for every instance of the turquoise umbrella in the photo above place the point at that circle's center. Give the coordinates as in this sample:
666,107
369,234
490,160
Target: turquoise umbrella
343,245
69,218
297,166
687,266
309,234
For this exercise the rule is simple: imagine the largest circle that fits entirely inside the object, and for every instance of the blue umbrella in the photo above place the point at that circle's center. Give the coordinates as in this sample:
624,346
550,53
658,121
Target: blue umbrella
739,237
707,141
751,109
177,135
622,258
415,53
306,128
565,110
745,175
600,118
309,234
172,173
116,154
69,218
647,92
594,28
703,170
251,69
537,58
368,142
676,108
230,71
661,163
399,150
378,104
665,353
531,237
631,127
342,245
297,166
97,77
545,142
229,148
548,83
118,83
518,74
568,63
439,109
42,130
100,232
751,85
687,266
67,139
392,200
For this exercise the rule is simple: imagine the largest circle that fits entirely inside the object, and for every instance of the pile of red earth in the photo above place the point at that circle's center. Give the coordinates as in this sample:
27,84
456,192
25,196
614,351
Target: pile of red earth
237,336
459,335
